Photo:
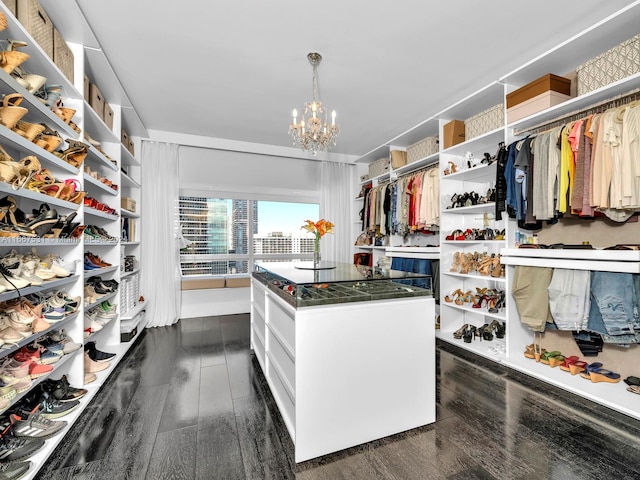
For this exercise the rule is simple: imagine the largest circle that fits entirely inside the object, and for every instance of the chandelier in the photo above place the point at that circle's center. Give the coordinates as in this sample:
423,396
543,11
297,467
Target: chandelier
313,133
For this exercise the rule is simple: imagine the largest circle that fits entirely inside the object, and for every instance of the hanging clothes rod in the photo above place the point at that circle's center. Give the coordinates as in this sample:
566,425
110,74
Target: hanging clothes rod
600,107
418,170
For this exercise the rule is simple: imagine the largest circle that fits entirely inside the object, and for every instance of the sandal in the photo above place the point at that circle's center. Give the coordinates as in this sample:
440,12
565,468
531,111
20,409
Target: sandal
586,372
604,375
11,112
568,361
544,358
460,332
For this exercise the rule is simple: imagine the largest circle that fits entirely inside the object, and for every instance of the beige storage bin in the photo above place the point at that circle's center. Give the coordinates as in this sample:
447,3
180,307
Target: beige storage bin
128,204
620,62
96,100
379,167
12,5
108,116
398,158
36,21
534,105
484,122
62,55
422,149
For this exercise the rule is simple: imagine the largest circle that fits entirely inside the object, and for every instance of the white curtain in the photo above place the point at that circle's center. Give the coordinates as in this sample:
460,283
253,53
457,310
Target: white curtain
335,206
160,233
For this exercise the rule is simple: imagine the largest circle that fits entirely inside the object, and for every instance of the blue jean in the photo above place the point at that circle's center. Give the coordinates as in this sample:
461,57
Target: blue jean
613,303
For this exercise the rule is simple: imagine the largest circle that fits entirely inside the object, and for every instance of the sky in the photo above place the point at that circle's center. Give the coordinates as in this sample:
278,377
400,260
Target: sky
282,217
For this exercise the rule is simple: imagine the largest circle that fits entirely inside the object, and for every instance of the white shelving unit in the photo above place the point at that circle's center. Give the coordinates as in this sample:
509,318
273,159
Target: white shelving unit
107,160
561,59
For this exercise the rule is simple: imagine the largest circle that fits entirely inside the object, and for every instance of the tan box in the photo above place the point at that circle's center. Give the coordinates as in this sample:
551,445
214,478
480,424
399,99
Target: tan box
62,55
87,96
548,82
128,204
202,284
96,100
131,147
422,149
534,105
108,116
238,282
484,122
124,138
379,167
398,158
452,133
36,21
12,6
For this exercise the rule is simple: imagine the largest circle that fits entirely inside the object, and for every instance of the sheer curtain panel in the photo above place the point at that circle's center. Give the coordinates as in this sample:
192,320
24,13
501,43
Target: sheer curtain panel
335,206
160,233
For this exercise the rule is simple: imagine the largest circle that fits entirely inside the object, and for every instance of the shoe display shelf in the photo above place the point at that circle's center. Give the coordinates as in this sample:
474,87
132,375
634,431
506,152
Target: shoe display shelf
105,155
49,285
460,283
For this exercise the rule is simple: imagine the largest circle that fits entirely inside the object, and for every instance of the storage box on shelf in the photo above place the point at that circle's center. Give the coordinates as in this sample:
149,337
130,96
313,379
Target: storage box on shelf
422,149
37,23
484,122
12,5
379,167
62,55
619,62
453,133
540,94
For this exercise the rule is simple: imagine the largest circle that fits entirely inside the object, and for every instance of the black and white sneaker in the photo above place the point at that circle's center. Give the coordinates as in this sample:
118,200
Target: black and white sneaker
35,426
14,449
51,408
97,355
62,391
14,471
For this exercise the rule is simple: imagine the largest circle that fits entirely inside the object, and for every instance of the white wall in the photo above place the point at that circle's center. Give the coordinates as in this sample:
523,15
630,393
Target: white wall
229,174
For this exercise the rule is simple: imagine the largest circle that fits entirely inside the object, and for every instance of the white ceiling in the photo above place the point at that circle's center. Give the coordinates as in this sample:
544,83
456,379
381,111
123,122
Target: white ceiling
235,69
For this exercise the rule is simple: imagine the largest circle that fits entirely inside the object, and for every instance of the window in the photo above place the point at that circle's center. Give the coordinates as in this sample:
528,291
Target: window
228,235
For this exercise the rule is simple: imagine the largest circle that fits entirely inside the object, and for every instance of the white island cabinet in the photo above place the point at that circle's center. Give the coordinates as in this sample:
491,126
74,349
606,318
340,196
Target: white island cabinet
348,352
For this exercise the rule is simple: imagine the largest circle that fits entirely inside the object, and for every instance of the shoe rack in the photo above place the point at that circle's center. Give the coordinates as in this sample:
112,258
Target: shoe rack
509,351
107,164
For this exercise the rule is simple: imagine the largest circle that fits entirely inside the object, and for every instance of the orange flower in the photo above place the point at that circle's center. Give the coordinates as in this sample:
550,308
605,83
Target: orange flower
319,228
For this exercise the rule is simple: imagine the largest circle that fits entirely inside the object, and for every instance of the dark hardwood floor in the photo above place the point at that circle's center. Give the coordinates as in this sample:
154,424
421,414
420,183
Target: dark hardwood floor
190,402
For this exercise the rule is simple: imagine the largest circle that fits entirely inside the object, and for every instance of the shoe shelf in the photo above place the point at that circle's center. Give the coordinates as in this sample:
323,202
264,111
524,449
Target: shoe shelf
38,111
484,143
493,349
483,173
612,395
477,311
36,381
128,274
12,139
126,158
128,214
471,242
475,276
54,326
96,126
429,253
96,155
92,182
92,336
129,182
104,298
48,285
130,243
481,207
130,314
100,271
98,213
37,196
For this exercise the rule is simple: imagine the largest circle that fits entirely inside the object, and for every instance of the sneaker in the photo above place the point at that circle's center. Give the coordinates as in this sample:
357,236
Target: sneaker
68,344
7,391
13,449
89,377
14,471
97,355
91,366
35,426
37,370
47,357
51,408
62,391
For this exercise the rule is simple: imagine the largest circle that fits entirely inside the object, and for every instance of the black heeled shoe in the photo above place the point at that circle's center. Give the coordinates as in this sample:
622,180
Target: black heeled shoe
39,226
468,334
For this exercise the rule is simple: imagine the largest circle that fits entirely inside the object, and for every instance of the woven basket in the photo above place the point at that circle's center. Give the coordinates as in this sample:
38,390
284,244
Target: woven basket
29,130
10,112
62,55
10,60
36,21
484,122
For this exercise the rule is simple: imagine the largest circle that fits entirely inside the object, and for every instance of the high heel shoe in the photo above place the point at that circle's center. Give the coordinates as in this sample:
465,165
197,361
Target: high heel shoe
65,114
11,59
460,332
28,130
49,94
469,333
74,155
11,112
48,139
39,226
